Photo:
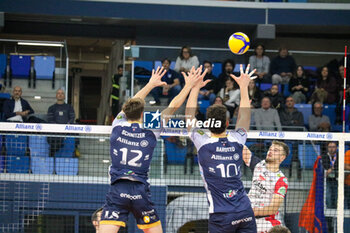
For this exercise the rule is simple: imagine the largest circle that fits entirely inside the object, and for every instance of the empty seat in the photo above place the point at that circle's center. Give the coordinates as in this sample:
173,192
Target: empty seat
3,64
42,165
329,110
174,154
16,145
203,105
217,69
20,66
66,166
17,164
237,68
68,148
38,146
2,164
286,92
307,154
143,69
44,67
306,110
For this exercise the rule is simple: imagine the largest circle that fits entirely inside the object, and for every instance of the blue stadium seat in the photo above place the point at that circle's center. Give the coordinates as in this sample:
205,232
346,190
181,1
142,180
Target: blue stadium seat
147,65
267,86
217,69
288,161
306,110
329,110
286,91
203,105
307,155
3,64
42,165
44,67
5,96
175,155
66,166
68,148
159,63
20,66
339,128
38,146
2,164
17,164
16,145
313,68
237,68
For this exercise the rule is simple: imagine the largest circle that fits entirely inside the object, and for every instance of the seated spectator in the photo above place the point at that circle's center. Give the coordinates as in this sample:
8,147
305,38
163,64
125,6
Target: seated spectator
186,60
339,108
317,121
267,118
261,63
291,117
277,99
227,70
230,95
255,94
59,113
17,109
330,164
282,67
327,90
219,101
173,86
299,85
209,91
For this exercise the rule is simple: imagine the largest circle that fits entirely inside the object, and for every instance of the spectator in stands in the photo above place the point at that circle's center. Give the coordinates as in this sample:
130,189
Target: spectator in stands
17,109
330,164
291,117
115,91
220,101
186,60
255,94
327,90
347,180
230,95
317,121
299,85
209,91
261,63
227,69
96,218
277,99
282,67
279,229
267,118
60,113
173,86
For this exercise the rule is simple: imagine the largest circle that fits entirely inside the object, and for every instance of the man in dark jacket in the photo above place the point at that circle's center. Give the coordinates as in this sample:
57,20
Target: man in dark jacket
291,117
282,67
17,109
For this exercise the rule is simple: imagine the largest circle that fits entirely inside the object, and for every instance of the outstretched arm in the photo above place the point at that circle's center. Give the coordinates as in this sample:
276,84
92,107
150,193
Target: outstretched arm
193,77
247,155
270,209
243,120
155,81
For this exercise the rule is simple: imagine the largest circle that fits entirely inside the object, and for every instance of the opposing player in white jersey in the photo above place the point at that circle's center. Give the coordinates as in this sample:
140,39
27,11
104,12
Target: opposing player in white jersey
269,185
220,160
131,149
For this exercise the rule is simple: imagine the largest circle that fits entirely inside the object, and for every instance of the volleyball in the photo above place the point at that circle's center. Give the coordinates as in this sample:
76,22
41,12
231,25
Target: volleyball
239,43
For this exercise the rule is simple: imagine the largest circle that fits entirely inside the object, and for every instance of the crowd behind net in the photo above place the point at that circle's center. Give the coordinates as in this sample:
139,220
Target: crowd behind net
47,190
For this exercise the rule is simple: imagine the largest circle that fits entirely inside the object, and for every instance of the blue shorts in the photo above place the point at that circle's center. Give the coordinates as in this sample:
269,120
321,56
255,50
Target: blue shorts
126,196
241,222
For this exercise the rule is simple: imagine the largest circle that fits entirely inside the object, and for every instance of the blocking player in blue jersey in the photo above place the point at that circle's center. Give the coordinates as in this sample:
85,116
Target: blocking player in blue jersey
131,149
220,160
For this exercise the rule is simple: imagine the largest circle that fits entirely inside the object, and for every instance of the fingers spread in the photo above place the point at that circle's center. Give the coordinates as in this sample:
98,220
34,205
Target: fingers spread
241,68
247,69
251,73
254,77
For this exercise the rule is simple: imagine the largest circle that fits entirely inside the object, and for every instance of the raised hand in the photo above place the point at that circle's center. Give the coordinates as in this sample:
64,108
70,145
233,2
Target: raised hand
156,78
194,78
245,77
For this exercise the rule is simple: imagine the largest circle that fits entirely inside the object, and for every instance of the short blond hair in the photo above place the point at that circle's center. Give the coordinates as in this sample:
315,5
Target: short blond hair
133,108
283,145
279,229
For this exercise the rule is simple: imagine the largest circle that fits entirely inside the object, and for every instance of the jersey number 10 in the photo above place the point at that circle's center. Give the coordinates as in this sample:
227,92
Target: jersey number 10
230,166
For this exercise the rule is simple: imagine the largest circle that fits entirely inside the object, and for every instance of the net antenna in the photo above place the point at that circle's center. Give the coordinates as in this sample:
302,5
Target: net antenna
344,90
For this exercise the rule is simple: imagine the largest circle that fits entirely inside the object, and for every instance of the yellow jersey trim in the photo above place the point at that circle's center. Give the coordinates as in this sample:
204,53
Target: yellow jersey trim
113,222
147,226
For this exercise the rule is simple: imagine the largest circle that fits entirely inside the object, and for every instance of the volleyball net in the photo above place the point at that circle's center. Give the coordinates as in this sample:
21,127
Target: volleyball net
53,177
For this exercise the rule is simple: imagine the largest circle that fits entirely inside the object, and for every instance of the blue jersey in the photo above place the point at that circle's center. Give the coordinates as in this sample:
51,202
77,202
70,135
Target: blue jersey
131,149
220,161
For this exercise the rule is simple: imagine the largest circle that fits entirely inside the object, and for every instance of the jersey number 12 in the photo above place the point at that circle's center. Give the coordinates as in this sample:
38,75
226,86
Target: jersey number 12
132,162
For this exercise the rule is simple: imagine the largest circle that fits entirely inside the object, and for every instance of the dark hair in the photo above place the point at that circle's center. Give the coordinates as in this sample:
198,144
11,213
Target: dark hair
189,51
119,66
94,215
282,47
261,46
329,142
133,108
218,113
279,229
166,59
209,62
296,69
232,62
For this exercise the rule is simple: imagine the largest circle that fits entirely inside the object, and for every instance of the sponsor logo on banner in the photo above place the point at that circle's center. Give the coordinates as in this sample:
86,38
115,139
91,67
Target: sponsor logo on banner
88,128
320,135
281,134
39,127
24,126
268,134
74,128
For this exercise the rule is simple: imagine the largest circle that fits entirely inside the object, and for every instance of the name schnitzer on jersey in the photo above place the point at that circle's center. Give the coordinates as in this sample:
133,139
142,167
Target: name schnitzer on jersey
127,142
220,157
133,135
225,149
